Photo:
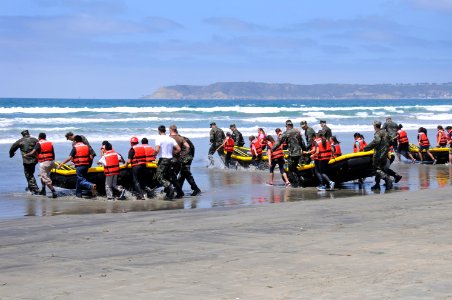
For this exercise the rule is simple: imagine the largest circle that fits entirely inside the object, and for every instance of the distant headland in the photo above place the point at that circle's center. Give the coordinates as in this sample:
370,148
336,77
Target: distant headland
269,91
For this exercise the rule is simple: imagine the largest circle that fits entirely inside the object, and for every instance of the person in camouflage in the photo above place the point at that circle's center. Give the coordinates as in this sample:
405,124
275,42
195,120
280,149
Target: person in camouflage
295,145
309,133
237,136
391,128
184,160
26,144
216,141
380,144
326,131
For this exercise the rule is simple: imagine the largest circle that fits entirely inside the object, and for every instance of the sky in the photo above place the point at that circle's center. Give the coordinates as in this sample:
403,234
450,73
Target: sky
129,48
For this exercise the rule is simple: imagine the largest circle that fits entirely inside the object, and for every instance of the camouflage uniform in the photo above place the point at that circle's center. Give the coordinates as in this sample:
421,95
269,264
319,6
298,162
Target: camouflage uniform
309,134
185,171
380,144
238,138
391,128
26,144
326,131
295,145
216,139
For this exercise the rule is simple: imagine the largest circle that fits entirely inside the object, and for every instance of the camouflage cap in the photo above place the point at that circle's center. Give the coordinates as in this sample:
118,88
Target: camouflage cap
289,122
322,121
67,135
25,132
232,125
212,123
377,123
303,123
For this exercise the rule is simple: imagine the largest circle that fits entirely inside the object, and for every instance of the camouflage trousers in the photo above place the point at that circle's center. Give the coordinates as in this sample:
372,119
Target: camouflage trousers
166,173
29,171
381,166
292,164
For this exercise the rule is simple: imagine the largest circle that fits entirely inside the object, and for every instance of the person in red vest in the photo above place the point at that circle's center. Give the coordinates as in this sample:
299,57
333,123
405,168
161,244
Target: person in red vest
228,146
46,156
321,155
110,160
256,150
335,146
360,143
148,150
441,137
82,158
276,157
449,142
403,147
424,144
137,158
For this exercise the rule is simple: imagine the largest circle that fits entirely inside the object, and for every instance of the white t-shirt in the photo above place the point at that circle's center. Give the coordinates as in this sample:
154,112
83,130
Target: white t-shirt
166,144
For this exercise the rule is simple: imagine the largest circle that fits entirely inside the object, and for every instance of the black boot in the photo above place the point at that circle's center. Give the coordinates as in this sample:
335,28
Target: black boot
43,192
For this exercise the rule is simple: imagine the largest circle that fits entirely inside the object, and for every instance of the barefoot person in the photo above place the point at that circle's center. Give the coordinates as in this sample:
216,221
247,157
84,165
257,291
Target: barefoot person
276,157
110,160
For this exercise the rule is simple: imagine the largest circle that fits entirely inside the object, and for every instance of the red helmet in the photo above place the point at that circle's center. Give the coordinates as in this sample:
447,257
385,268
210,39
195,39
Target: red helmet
134,140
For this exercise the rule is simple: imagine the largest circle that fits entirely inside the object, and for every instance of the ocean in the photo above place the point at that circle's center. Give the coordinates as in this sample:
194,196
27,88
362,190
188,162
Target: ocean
119,120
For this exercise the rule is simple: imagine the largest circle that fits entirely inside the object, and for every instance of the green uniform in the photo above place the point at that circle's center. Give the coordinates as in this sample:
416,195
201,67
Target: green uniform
26,144
295,145
380,144
309,134
238,138
391,128
216,139
326,132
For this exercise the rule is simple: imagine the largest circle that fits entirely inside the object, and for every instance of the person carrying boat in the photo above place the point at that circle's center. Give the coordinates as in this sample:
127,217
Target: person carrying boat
228,145
335,147
279,132
148,150
449,142
237,136
262,137
309,133
321,154
26,144
81,157
380,144
46,156
403,147
110,160
295,145
441,137
424,144
165,147
137,158
391,128
276,158
182,161
256,151
216,141
326,131
70,137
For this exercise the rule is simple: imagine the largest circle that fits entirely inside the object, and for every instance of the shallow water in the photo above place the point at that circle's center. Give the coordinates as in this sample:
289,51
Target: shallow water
221,189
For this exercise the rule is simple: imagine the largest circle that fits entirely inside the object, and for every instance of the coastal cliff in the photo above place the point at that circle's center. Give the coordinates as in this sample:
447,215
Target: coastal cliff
267,91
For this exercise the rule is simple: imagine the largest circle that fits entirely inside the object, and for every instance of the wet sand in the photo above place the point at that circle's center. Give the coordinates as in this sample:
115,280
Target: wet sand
383,246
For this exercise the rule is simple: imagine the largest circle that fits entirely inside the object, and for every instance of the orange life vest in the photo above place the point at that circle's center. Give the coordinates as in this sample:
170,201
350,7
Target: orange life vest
423,139
46,153
442,139
262,139
229,145
149,153
362,143
402,138
337,150
111,167
324,152
139,158
278,151
81,155
449,135
256,144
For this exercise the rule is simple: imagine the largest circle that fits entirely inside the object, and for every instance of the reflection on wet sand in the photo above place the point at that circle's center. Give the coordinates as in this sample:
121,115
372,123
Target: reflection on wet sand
230,188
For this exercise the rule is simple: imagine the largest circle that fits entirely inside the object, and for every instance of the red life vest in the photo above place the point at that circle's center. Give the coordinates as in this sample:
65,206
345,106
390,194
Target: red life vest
81,157
111,167
449,135
362,143
324,152
139,158
278,151
46,153
262,139
256,144
336,150
149,153
229,145
402,138
423,139
442,139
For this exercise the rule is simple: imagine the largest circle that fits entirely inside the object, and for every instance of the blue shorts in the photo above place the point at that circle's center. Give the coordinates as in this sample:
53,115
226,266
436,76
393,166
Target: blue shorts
421,148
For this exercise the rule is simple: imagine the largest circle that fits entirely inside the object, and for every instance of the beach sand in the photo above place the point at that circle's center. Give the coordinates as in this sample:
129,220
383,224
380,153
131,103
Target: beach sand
382,246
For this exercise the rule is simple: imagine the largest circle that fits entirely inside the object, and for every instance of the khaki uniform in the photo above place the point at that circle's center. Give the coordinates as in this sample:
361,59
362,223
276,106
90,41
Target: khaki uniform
26,144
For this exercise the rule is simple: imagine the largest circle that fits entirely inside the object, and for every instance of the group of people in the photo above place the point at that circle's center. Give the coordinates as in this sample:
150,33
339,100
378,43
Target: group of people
174,152
322,146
